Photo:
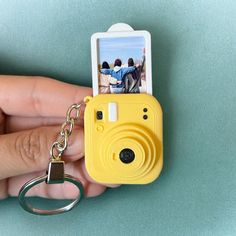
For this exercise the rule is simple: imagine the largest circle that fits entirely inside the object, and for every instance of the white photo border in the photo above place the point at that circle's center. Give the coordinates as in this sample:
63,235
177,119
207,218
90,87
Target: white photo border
148,55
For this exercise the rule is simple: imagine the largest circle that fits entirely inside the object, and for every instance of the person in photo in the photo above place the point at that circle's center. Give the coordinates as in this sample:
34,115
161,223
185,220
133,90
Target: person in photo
133,80
118,73
106,80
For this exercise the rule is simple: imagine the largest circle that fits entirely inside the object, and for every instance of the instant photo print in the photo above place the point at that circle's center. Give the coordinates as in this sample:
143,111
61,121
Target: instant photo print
121,61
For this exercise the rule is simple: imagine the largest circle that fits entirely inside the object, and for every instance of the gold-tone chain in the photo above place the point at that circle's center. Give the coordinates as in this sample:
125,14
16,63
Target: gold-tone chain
60,145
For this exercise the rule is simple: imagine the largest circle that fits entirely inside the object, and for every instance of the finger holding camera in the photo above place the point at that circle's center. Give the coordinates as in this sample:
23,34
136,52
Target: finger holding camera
32,110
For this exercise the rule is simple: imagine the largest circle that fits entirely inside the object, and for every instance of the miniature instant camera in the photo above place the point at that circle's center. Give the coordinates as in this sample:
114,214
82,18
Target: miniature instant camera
123,130
122,121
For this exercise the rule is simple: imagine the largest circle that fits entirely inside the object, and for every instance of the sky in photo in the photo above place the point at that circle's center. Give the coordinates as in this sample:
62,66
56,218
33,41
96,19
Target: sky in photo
122,48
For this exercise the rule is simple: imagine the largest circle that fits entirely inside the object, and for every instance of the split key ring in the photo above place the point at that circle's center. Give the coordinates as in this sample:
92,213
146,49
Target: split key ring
55,175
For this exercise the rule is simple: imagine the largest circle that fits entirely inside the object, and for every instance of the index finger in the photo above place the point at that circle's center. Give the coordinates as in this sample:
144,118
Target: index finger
35,96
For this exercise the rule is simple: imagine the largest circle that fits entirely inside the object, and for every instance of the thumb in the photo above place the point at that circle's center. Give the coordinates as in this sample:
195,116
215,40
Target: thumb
28,151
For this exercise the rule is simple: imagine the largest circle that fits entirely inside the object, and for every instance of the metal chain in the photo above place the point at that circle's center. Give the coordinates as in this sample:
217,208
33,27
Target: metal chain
60,145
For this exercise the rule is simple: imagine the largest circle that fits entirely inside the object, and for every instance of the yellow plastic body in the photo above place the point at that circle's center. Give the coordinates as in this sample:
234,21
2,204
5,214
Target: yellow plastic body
104,139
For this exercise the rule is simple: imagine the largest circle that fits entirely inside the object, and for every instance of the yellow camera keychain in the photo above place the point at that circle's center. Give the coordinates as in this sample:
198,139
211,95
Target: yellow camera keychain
122,121
127,142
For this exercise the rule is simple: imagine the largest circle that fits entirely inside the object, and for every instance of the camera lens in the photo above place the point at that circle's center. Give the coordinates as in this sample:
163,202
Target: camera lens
99,115
127,155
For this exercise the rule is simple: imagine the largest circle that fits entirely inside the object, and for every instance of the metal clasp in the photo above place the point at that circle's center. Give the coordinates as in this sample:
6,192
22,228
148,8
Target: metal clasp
55,173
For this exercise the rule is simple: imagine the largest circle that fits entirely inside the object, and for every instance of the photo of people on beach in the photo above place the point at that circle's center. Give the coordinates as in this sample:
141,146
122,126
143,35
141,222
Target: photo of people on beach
121,65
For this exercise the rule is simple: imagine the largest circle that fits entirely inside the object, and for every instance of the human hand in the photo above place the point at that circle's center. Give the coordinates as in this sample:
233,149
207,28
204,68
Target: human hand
31,112
119,82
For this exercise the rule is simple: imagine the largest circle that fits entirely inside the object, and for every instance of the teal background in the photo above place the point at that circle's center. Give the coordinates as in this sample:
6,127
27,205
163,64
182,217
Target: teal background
194,77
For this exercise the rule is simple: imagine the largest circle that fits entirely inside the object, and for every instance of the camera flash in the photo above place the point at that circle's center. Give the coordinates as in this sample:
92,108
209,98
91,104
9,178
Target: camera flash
112,111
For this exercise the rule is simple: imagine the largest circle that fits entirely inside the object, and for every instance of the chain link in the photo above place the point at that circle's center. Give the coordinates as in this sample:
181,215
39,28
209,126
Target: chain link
60,145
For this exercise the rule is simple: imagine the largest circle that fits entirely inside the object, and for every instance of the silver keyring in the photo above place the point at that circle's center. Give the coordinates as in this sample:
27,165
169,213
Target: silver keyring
28,207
